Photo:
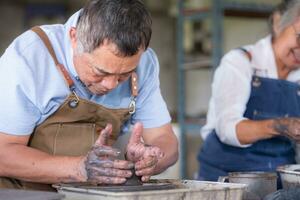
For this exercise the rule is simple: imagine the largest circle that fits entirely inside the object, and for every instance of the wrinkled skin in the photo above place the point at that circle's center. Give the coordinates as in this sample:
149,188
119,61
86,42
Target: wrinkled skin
144,156
289,127
101,163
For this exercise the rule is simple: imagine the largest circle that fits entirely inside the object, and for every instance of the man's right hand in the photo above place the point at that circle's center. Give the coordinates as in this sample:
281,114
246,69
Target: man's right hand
101,165
289,127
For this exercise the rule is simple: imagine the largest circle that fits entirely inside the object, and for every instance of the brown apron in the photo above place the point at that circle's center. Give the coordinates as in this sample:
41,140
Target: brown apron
75,126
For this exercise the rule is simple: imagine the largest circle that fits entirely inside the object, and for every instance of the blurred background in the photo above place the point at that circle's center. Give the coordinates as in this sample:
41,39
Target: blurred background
189,37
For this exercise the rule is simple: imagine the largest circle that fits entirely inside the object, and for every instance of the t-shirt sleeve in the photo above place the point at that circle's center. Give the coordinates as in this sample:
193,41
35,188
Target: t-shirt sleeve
151,108
18,114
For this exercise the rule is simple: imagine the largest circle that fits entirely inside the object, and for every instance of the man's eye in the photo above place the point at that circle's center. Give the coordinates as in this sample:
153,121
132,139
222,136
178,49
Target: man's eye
124,76
97,73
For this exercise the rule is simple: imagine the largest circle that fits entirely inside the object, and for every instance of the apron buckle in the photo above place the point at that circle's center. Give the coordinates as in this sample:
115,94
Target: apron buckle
132,106
256,82
74,102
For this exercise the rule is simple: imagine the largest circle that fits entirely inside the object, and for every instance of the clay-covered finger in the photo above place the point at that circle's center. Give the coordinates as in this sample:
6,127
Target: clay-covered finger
147,171
146,162
101,157
154,151
136,134
106,151
104,135
146,178
122,164
135,151
107,180
111,172
101,163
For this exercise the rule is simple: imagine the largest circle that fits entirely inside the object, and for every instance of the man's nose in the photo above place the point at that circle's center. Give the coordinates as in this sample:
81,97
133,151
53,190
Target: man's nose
110,82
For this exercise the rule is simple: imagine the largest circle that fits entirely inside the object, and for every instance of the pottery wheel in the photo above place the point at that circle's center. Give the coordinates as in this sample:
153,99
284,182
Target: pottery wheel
126,188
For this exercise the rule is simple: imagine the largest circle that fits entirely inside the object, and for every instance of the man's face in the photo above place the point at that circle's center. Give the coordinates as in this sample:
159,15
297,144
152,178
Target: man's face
103,69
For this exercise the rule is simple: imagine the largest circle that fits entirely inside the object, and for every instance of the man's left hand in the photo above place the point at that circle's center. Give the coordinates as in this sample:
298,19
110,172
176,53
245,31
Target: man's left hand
144,156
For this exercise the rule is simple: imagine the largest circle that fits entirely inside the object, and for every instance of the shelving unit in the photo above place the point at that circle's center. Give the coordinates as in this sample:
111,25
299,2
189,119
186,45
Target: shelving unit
216,14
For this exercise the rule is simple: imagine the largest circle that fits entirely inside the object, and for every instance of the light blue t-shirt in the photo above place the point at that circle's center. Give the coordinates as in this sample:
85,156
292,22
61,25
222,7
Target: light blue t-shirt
32,88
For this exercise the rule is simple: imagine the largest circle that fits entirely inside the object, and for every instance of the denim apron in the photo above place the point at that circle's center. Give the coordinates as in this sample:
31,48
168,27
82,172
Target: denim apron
269,99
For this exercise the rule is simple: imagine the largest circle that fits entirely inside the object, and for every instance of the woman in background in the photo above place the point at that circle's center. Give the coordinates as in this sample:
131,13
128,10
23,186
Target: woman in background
254,110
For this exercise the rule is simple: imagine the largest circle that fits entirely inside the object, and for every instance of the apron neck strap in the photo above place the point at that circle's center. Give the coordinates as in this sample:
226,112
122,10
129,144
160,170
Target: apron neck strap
48,45
247,53
134,85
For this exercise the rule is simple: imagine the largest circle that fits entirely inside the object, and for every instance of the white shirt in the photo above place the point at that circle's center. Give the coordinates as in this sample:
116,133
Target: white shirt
32,88
231,88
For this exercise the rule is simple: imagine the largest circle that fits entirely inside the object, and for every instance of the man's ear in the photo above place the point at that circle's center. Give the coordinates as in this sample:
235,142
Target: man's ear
73,37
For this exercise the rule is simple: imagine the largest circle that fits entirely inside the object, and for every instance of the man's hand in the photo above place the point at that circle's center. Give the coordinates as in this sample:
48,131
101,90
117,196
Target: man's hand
101,165
289,127
144,156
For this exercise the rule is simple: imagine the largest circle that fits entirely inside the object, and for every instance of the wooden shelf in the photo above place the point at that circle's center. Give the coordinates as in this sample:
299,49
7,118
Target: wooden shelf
249,10
232,9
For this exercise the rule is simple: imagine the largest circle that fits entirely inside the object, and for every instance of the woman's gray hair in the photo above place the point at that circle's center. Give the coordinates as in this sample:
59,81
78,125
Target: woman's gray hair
125,23
290,14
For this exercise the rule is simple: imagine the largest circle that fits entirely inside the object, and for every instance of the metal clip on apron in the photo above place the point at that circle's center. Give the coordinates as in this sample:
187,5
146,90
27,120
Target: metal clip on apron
75,126
269,99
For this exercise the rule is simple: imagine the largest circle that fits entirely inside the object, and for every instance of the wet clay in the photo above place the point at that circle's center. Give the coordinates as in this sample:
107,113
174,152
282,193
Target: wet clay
134,180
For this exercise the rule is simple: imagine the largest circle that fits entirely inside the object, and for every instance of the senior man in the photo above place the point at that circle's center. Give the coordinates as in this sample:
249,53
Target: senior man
69,90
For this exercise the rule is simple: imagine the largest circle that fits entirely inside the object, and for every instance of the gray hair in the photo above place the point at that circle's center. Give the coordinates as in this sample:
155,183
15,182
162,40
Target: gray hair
289,15
125,23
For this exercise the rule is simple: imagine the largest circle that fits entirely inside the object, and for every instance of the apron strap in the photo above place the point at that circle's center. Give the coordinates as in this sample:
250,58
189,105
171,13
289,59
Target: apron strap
134,93
134,84
48,45
247,53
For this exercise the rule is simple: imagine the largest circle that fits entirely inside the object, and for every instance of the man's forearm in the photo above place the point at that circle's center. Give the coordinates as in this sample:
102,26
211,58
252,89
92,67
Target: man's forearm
28,164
